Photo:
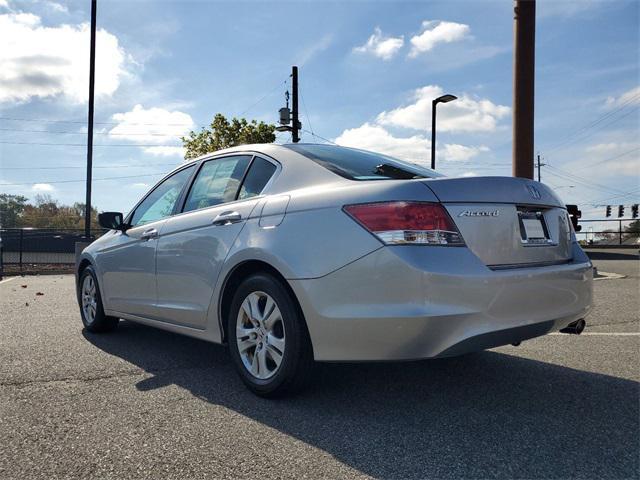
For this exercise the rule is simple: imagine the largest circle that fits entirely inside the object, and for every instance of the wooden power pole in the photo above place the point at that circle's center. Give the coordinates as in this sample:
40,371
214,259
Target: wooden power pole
295,123
524,37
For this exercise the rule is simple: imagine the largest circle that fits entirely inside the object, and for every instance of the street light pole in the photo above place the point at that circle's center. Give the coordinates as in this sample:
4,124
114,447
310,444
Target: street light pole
442,99
92,76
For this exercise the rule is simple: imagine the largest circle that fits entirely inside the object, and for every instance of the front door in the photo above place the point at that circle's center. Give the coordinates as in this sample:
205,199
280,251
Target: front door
128,262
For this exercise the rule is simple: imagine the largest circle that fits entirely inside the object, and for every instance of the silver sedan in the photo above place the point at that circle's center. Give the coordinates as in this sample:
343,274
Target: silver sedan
295,253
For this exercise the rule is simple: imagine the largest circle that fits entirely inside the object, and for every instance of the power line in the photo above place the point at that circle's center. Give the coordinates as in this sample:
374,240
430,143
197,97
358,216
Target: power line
319,136
584,182
580,132
269,93
84,122
82,180
306,113
606,199
95,133
95,144
613,158
58,167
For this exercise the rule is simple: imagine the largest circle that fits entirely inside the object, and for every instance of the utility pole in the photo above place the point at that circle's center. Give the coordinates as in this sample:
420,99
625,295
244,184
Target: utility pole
539,165
295,124
524,37
92,75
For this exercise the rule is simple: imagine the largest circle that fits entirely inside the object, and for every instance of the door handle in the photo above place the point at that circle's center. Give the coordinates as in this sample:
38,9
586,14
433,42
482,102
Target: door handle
227,218
149,234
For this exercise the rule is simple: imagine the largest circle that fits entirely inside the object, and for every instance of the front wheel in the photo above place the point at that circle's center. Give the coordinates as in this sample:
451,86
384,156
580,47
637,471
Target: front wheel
268,339
91,309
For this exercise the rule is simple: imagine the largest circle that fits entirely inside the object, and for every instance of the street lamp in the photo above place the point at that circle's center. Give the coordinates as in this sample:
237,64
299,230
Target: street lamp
443,99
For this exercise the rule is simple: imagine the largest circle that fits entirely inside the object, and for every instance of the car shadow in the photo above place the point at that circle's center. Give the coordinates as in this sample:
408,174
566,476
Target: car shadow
483,415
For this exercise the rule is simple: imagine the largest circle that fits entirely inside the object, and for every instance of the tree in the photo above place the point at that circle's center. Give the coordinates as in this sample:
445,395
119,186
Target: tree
44,212
11,208
225,134
632,230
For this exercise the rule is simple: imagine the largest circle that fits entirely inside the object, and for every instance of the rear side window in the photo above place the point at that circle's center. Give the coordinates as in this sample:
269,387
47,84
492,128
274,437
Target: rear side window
257,177
357,164
217,182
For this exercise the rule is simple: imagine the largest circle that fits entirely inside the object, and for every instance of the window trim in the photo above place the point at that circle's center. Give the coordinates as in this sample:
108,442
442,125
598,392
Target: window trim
246,173
183,200
129,216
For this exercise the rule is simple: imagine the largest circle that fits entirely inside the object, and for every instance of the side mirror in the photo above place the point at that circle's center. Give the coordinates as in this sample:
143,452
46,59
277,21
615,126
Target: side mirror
112,220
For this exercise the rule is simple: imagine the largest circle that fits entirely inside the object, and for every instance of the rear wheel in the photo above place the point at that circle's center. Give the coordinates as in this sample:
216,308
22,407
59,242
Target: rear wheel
268,339
91,309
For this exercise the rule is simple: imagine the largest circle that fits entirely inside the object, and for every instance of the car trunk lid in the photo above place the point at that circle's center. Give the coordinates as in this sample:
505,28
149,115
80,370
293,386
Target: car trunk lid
507,222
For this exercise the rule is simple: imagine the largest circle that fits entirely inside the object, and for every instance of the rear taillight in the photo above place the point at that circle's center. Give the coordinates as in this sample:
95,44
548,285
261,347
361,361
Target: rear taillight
417,223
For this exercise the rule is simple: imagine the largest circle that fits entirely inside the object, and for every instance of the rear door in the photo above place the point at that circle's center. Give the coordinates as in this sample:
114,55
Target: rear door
128,262
194,244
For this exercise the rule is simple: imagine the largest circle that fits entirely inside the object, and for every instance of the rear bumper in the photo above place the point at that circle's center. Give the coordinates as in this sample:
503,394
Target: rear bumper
407,302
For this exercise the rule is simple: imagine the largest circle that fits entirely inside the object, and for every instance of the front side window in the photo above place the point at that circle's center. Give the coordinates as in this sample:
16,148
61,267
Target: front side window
257,177
217,182
162,200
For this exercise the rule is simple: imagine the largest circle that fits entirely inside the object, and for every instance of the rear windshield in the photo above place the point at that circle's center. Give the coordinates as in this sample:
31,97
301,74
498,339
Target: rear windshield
357,164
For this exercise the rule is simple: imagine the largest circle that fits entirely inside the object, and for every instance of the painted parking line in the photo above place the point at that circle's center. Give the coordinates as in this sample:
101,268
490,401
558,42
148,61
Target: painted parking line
608,276
7,280
602,334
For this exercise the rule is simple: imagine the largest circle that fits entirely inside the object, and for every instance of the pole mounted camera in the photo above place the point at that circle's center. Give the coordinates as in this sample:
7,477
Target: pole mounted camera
289,118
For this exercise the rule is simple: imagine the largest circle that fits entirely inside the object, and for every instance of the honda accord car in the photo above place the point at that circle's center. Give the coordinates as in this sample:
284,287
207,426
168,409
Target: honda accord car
291,254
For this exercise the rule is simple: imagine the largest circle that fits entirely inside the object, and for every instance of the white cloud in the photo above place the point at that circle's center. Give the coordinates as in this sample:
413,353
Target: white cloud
469,174
4,4
460,153
631,97
139,185
381,46
42,187
473,115
613,158
465,114
377,139
437,32
152,125
57,7
628,166
39,61
165,151
413,149
313,49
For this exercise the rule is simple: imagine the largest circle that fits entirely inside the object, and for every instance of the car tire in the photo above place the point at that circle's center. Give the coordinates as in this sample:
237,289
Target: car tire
259,333
90,301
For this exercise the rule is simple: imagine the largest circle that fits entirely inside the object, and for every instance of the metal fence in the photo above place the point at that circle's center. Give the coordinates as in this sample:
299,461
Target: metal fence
593,233
43,248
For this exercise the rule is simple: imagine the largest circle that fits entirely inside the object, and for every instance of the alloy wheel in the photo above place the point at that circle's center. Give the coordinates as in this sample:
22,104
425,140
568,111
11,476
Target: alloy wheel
89,299
260,335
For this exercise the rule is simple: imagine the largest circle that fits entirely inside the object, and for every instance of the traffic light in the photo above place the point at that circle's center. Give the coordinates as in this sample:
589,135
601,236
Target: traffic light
608,210
574,215
620,211
634,210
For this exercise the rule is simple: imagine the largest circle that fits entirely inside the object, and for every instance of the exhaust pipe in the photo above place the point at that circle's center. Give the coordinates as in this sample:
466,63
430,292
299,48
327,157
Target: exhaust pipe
575,328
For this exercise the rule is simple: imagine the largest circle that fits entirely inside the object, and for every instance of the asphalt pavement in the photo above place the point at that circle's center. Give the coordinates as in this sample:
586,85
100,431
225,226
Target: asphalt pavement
143,403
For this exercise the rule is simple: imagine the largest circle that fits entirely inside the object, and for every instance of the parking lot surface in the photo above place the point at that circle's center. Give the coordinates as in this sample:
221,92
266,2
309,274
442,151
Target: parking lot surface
143,403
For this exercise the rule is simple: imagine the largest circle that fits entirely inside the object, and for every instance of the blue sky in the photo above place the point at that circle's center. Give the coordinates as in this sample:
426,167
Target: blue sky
368,72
